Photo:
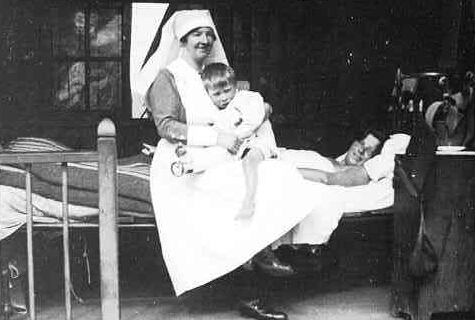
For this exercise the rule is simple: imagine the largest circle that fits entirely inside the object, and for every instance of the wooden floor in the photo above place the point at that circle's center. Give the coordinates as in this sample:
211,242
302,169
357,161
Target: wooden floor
354,283
359,303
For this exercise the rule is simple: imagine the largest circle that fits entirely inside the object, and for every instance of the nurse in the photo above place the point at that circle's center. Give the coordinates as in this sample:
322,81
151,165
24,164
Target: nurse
200,239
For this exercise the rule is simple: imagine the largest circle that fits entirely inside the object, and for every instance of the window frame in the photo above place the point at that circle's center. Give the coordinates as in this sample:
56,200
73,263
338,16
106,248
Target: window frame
123,109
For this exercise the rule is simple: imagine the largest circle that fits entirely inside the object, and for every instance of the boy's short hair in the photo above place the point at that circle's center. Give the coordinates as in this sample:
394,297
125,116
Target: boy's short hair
218,75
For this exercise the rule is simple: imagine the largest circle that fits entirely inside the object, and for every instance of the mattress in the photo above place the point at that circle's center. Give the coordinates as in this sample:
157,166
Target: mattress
133,189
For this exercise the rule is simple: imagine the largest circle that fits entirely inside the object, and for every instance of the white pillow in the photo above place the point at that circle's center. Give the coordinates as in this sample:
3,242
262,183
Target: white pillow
396,144
382,165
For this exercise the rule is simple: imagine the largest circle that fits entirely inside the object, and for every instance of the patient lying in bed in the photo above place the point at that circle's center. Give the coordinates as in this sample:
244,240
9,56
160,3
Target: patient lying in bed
367,160
351,169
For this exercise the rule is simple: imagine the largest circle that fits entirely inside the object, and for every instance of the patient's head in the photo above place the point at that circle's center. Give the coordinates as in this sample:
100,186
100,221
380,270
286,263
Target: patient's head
364,149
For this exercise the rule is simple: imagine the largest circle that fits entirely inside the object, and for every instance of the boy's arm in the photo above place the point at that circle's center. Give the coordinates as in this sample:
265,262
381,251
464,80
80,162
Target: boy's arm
251,106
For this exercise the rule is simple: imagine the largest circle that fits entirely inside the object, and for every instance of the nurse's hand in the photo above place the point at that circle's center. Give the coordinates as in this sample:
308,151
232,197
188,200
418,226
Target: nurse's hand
229,141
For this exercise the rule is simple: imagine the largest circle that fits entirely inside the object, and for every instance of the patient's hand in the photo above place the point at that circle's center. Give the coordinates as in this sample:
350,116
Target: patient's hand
315,175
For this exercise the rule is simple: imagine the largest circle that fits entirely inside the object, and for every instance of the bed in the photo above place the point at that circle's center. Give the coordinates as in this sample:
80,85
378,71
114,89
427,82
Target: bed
133,188
103,192
104,187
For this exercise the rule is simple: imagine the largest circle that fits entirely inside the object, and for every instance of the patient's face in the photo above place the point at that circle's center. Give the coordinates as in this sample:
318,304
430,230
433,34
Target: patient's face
361,150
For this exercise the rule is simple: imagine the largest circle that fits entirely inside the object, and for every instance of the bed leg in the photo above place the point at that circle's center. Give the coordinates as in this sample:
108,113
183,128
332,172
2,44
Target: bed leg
108,233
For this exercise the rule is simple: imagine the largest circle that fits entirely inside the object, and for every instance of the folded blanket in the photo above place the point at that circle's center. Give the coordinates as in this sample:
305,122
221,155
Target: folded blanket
133,187
133,177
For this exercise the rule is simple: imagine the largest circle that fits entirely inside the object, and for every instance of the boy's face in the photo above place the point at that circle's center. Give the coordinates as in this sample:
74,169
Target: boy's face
362,150
222,96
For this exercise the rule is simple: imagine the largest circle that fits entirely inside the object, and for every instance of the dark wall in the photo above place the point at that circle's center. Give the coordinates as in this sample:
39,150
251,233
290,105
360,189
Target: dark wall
327,67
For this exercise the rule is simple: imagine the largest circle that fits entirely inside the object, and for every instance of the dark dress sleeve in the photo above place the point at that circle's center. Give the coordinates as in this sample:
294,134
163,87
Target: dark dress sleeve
168,112
166,108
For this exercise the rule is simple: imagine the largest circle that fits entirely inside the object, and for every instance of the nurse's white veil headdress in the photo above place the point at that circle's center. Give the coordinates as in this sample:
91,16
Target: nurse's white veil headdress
179,24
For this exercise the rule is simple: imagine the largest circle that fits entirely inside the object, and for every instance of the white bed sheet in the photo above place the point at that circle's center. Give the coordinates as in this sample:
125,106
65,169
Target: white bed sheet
45,210
373,196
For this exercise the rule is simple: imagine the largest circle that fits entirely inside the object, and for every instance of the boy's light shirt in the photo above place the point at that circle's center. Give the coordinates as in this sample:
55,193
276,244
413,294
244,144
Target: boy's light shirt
244,114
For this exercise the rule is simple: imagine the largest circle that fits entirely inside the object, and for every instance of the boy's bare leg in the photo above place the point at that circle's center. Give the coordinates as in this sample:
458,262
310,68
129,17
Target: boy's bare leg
250,162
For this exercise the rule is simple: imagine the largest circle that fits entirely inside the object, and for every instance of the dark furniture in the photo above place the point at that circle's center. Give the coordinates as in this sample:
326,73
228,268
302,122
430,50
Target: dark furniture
448,190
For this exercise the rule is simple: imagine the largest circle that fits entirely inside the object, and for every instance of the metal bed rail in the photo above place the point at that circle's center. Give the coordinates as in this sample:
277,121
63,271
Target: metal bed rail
106,157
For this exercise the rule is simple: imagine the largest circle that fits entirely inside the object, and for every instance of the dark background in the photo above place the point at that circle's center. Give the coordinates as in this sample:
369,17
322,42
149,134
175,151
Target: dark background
327,67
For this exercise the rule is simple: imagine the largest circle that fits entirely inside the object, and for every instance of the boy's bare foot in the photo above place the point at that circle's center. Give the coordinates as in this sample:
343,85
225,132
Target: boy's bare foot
247,209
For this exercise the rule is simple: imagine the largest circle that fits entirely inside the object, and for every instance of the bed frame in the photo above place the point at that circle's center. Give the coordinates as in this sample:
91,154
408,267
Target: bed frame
109,222
106,157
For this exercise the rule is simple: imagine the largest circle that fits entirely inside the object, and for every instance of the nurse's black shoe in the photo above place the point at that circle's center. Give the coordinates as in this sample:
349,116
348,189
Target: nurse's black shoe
267,262
256,309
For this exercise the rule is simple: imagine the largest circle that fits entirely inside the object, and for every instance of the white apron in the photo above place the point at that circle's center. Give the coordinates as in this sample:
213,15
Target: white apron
200,239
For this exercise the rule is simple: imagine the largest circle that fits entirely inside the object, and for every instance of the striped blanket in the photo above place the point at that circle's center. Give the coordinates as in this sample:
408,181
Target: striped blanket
133,184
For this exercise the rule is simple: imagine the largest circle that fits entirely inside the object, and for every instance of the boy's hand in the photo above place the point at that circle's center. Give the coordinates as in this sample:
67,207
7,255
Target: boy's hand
229,141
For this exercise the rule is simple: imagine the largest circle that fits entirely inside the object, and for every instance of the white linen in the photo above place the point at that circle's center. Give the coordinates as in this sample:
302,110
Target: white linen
377,194
45,210
306,159
317,227
380,166
396,144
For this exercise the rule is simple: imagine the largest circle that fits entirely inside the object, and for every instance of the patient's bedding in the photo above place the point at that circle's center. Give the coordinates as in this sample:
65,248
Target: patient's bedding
133,187
378,194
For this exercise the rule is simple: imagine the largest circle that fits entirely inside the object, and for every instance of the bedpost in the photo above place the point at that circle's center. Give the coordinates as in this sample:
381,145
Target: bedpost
108,232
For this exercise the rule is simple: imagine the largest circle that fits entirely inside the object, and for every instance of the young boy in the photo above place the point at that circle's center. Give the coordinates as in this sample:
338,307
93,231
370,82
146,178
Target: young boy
241,112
